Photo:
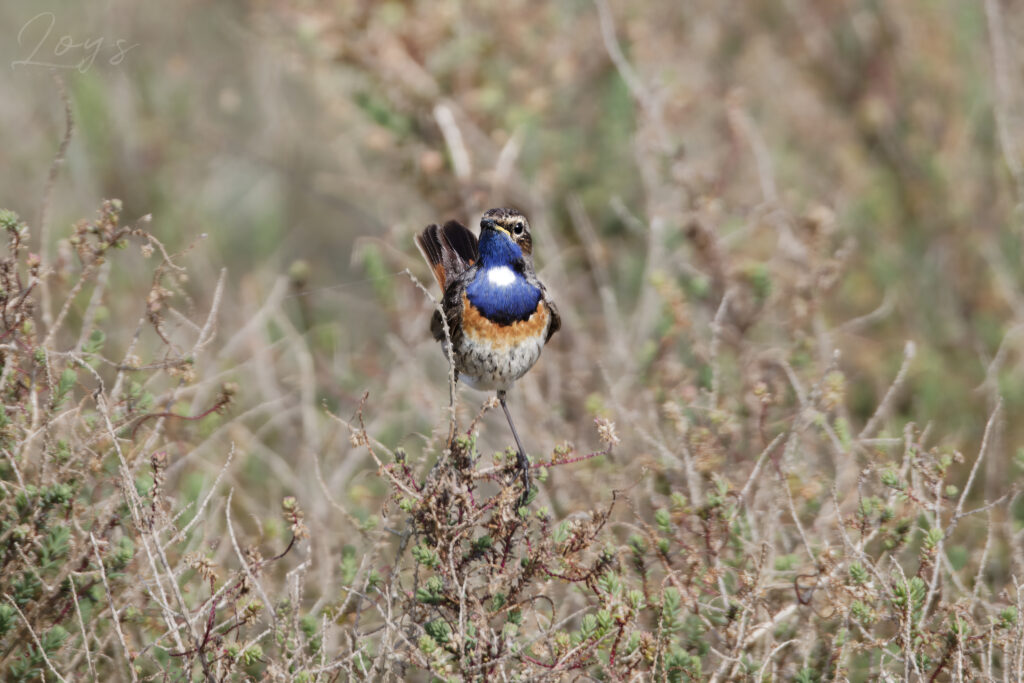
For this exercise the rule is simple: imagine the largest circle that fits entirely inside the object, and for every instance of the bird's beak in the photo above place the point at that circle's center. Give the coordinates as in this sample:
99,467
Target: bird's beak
491,224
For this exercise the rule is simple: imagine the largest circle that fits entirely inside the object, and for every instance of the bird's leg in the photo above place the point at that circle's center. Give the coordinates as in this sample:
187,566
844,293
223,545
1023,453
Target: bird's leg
524,464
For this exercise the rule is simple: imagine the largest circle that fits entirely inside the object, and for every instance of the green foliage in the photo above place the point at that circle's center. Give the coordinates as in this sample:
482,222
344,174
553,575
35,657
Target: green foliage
94,344
426,556
8,617
54,547
861,612
431,592
121,554
858,574
439,631
64,385
663,520
908,597
671,610
349,565
891,479
932,538
807,675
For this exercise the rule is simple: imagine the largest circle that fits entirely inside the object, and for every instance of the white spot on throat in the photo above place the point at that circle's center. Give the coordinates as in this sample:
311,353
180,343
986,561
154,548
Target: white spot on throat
501,276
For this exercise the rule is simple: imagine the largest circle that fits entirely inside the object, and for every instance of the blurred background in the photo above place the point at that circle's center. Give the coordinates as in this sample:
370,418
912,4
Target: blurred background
849,170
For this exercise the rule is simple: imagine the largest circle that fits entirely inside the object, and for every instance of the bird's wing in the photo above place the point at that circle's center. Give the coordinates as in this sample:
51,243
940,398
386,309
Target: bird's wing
556,320
531,277
452,302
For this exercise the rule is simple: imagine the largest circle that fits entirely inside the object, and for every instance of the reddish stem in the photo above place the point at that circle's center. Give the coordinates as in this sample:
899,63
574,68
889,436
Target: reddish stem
221,402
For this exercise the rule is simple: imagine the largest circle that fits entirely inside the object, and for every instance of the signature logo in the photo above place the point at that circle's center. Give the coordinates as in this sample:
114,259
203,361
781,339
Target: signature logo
65,52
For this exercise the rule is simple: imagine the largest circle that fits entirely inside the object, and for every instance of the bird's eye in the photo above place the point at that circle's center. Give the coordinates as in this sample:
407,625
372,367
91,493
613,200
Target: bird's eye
518,228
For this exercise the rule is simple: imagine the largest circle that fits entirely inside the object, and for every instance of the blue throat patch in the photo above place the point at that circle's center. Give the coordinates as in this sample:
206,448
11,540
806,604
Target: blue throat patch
502,304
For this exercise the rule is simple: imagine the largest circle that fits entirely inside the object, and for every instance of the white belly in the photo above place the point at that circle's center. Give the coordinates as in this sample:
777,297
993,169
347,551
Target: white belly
483,367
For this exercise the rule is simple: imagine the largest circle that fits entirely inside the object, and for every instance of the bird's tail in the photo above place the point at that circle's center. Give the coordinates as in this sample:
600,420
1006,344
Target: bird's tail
448,249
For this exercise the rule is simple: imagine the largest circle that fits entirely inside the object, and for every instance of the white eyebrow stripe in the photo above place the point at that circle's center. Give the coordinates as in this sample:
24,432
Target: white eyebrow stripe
502,276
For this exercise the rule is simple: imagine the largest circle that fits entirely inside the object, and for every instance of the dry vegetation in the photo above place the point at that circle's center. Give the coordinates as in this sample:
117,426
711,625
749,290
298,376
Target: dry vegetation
776,438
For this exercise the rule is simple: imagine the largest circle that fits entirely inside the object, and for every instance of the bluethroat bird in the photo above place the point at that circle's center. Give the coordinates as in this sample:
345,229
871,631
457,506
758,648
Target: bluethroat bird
499,314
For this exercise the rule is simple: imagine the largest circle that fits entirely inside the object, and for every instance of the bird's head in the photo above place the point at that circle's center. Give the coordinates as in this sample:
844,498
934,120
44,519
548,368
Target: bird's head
506,225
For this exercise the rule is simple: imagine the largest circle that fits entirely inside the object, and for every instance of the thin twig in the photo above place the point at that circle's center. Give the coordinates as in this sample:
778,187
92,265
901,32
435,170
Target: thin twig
206,500
636,87
35,638
81,627
445,118
44,218
450,352
113,610
716,342
886,404
245,565
958,512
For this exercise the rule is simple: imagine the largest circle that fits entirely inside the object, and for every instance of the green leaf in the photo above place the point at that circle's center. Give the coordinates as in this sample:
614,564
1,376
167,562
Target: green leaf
663,519
64,386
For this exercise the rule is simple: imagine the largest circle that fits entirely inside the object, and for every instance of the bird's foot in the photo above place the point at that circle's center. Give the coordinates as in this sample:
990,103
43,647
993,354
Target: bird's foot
524,473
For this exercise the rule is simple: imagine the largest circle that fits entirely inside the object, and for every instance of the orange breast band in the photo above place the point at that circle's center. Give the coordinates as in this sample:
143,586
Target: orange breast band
479,329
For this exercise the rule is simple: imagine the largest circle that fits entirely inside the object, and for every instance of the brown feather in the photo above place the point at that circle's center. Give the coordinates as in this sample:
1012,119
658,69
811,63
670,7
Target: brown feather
448,250
431,247
462,241
556,320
